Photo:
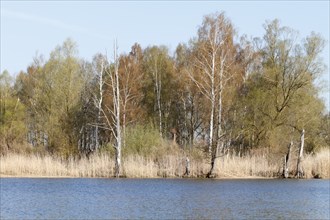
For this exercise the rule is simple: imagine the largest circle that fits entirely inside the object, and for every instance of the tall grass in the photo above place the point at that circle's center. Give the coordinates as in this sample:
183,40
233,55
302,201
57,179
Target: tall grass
249,166
318,164
167,165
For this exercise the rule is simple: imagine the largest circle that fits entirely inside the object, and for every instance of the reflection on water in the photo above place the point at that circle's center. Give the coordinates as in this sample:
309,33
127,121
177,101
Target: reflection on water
163,199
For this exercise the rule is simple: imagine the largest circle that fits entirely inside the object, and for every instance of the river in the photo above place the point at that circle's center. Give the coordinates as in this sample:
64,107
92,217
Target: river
34,198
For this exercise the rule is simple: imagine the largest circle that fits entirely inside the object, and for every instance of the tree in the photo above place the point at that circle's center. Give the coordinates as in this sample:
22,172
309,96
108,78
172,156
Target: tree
213,55
12,115
324,131
280,96
90,136
131,83
159,85
52,98
189,100
99,65
112,111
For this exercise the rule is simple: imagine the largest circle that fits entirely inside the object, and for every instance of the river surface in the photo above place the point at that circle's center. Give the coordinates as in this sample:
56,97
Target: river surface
24,198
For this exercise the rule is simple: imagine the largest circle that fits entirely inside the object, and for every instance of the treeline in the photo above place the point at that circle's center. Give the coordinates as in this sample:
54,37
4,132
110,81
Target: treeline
219,92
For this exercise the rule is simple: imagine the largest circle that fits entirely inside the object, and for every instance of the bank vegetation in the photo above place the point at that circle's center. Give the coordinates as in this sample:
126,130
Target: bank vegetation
220,105
166,166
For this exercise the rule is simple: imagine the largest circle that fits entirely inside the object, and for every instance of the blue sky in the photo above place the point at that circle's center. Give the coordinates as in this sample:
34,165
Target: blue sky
28,27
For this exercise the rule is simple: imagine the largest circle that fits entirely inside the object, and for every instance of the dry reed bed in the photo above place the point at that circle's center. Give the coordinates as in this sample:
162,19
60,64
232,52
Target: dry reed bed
146,167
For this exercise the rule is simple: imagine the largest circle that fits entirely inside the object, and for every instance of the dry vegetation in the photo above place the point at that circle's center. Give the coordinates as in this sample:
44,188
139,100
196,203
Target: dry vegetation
171,165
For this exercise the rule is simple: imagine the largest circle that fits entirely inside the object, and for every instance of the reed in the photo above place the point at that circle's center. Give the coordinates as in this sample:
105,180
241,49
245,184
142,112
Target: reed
317,165
248,166
166,165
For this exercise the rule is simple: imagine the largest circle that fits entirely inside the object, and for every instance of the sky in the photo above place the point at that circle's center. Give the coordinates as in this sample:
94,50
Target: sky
29,28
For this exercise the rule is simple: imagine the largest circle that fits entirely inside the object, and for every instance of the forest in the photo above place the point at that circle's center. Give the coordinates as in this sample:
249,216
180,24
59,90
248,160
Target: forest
220,105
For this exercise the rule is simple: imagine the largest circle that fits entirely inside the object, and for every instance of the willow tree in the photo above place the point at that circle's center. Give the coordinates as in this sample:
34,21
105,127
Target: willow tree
280,99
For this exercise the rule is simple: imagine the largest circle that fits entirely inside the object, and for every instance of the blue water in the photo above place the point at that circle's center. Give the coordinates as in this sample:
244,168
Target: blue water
23,198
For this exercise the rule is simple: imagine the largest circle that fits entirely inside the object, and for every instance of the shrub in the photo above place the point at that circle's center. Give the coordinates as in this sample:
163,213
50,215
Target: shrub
141,140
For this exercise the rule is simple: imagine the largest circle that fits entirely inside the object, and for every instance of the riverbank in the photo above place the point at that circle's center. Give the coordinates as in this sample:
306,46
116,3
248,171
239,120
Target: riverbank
167,166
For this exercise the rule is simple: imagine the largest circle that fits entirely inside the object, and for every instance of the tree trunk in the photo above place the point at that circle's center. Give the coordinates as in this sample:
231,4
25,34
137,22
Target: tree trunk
286,161
116,94
158,87
159,114
219,142
210,144
192,125
211,173
99,106
118,128
124,126
300,171
118,161
187,172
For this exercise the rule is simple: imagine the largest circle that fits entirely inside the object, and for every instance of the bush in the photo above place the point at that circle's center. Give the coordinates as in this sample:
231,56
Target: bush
141,140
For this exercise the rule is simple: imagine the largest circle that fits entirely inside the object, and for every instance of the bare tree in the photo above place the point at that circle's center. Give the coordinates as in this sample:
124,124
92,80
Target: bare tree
112,112
116,111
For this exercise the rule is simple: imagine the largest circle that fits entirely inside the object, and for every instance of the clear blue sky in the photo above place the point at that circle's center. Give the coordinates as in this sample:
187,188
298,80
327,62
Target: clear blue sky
28,27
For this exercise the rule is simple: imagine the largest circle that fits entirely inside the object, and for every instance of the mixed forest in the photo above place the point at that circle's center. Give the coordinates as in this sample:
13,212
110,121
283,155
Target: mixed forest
217,97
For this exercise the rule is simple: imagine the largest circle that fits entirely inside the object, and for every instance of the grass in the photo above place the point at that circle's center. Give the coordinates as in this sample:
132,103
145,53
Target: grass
249,166
167,165
318,164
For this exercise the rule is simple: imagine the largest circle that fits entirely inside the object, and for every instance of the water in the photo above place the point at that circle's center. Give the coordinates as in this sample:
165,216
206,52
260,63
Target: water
23,198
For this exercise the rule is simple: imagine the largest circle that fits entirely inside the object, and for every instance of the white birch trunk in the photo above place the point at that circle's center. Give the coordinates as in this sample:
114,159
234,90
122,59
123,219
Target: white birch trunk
211,59
99,107
300,171
117,116
219,132
210,144
158,85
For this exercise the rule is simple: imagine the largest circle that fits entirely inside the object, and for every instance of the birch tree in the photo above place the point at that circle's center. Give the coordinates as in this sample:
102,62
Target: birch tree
112,112
300,171
159,84
154,68
212,51
99,65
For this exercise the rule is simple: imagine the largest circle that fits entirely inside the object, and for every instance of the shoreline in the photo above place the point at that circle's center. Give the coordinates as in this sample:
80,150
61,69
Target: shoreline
86,177
192,178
